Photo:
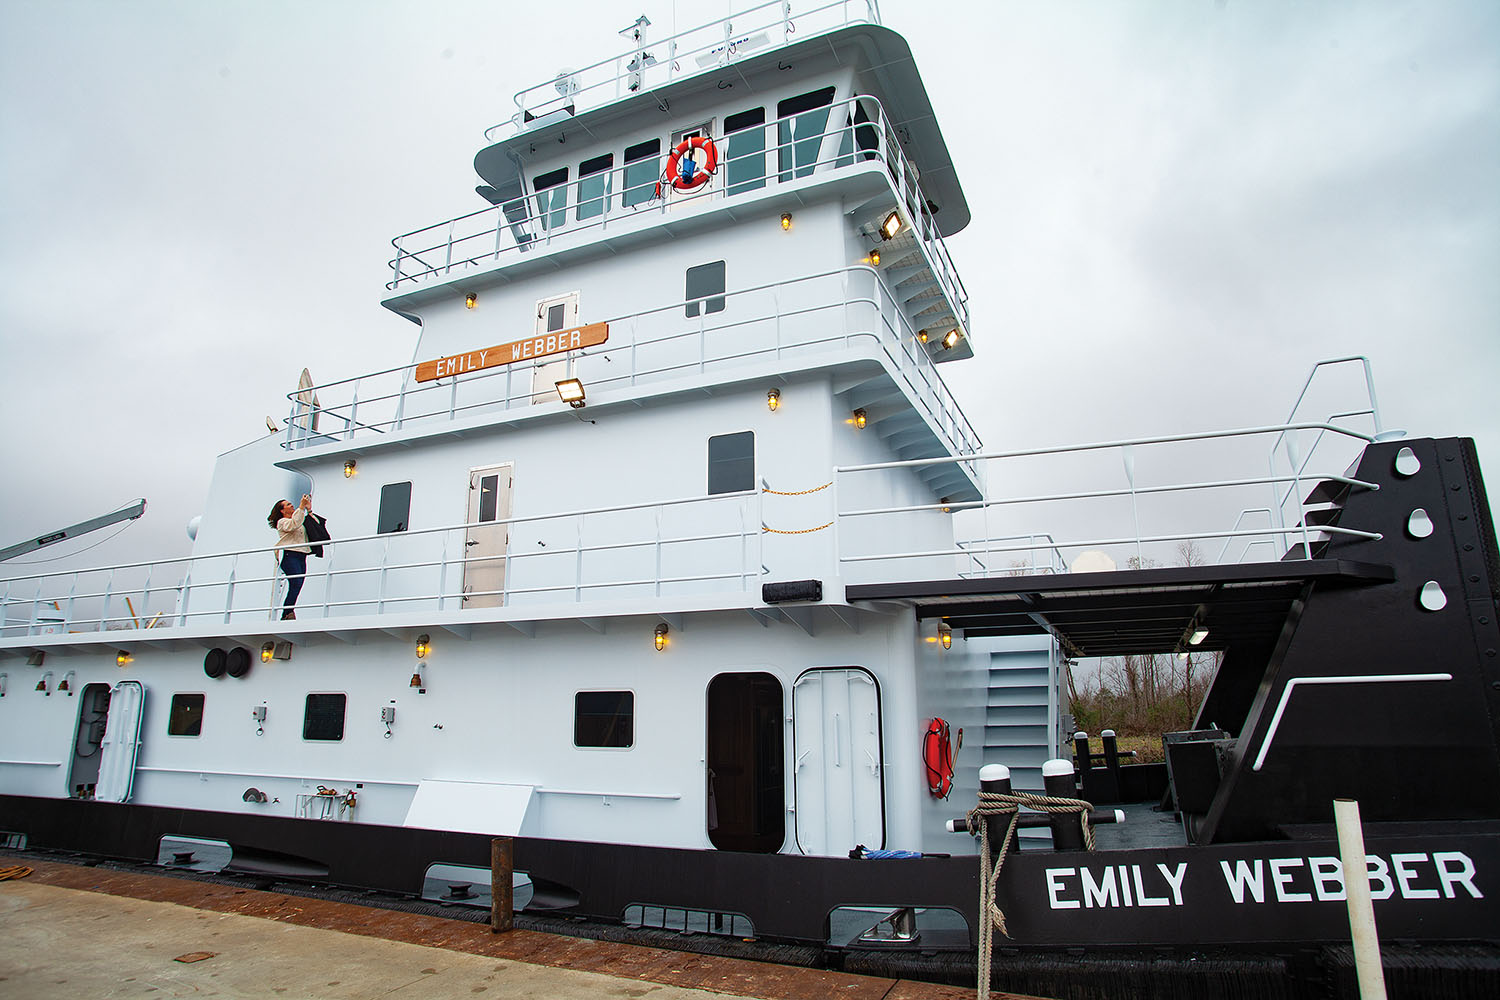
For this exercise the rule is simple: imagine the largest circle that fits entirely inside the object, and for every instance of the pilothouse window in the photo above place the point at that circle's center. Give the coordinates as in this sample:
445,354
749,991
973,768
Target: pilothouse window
642,168
745,151
552,197
800,131
593,185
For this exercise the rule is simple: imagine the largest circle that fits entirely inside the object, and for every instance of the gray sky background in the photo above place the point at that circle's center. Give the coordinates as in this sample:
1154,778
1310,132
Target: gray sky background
1178,208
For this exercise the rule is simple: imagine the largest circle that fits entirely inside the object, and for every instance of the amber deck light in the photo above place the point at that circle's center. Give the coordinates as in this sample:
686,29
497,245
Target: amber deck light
350,465
661,636
773,400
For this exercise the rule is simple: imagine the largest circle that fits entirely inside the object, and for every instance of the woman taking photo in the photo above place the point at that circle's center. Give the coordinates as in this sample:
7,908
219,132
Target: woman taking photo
292,546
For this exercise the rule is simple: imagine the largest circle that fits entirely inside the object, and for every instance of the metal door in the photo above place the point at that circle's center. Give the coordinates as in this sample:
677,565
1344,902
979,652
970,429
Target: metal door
122,742
487,536
552,315
836,743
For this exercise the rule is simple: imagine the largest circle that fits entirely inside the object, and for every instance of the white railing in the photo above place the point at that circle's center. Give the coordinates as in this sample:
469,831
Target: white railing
1028,555
771,322
646,65
594,207
1290,453
1120,520
612,553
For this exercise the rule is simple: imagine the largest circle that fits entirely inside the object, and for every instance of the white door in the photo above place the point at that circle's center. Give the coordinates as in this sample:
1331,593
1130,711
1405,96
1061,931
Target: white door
552,315
122,741
486,540
838,770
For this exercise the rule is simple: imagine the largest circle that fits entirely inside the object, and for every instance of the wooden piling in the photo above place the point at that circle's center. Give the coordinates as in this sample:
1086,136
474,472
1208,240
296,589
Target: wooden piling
502,884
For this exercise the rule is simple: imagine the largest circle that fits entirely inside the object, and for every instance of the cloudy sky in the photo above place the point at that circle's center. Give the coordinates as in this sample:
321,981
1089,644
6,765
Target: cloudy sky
1178,208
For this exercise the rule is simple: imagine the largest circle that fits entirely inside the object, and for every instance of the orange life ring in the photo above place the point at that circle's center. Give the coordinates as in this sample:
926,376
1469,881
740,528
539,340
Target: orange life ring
699,173
937,754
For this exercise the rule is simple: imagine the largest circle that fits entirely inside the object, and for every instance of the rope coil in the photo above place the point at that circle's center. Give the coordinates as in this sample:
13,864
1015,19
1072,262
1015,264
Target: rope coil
1008,805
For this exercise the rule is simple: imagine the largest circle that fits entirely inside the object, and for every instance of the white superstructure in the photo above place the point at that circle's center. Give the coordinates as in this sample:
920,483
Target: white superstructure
603,658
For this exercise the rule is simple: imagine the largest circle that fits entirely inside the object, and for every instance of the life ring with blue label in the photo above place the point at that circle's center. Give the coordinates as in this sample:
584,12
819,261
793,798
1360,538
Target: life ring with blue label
686,169
937,755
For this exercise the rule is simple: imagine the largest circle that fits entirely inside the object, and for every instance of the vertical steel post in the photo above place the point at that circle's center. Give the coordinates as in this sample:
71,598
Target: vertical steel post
1057,781
1081,752
995,779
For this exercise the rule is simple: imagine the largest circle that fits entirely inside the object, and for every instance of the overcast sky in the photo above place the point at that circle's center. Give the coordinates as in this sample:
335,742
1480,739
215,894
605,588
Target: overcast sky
1178,207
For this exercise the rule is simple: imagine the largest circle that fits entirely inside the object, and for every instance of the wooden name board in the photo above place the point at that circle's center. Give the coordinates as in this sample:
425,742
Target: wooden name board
539,346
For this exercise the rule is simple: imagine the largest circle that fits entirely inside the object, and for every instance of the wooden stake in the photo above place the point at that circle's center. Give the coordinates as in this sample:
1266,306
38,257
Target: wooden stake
502,884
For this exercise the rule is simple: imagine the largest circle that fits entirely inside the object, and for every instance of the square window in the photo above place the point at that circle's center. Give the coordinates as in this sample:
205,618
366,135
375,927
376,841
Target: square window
324,718
395,508
731,462
604,719
186,716
705,289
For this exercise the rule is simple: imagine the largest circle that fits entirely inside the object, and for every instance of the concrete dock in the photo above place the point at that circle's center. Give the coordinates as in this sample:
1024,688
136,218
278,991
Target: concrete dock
71,931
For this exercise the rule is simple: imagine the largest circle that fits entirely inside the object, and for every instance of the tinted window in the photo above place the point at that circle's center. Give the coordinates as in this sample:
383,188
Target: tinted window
731,462
593,185
705,284
186,718
552,197
395,507
800,132
642,168
604,719
745,150
324,719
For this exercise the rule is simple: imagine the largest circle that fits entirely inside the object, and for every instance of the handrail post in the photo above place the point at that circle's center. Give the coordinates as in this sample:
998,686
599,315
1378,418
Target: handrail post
353,411
1128,455
182,598
332,548
1374,403
657,586
36,601
109,587
578,559
234,565
385,558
